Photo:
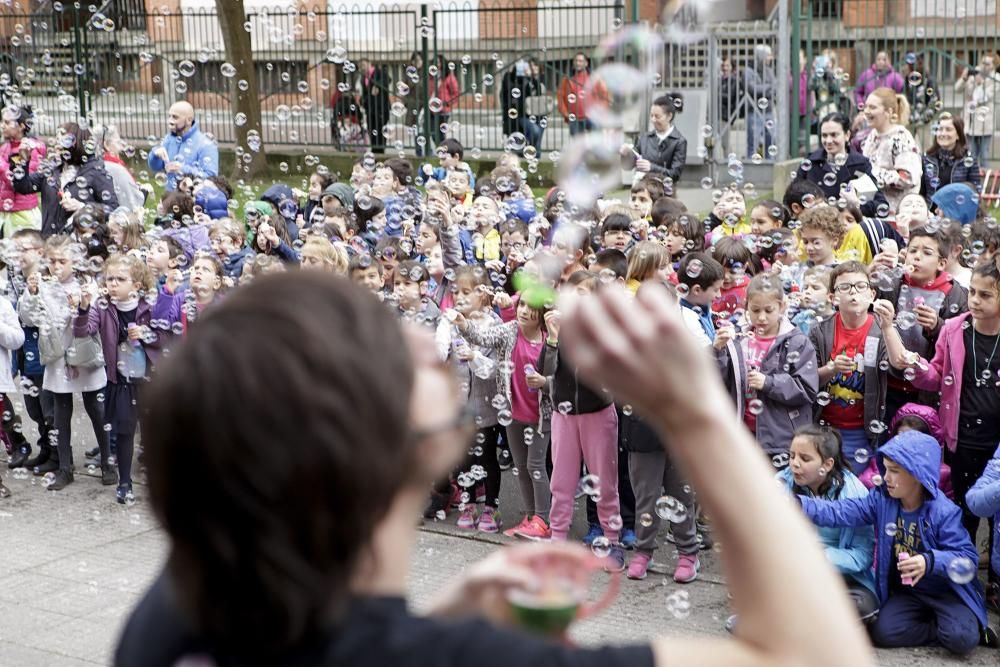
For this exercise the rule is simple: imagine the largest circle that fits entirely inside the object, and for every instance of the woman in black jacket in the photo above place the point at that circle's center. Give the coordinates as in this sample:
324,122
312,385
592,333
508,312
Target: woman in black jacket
663,150
72,177
834,165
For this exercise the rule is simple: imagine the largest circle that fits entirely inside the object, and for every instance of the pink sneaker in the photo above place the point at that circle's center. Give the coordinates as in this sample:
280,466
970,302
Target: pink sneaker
467,519
512,532
687,568
637,566
489,520
536,529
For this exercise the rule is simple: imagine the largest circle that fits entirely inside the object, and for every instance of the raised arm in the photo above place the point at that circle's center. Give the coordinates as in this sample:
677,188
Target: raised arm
617,343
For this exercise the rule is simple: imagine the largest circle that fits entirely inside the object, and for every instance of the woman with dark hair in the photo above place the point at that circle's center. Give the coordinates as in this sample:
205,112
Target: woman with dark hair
949,160
835,165
300,553
663,149
71,179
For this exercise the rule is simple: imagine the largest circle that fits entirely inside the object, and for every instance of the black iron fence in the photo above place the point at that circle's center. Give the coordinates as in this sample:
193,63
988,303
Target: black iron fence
119,63
928,47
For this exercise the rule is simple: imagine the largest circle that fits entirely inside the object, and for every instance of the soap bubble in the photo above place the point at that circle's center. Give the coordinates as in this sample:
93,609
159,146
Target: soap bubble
601,547
961,570
590,165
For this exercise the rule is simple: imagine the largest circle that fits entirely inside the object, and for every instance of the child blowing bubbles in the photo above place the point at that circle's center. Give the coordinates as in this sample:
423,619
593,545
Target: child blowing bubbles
127,342
850,355
519,343
771,374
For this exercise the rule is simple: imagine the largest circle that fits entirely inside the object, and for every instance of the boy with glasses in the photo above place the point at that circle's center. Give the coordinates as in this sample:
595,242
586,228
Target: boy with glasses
851,358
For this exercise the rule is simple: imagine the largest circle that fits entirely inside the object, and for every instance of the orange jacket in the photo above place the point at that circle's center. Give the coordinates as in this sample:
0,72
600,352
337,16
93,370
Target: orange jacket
576,85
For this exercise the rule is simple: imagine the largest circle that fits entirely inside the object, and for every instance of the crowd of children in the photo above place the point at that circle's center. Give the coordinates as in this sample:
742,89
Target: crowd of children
860,352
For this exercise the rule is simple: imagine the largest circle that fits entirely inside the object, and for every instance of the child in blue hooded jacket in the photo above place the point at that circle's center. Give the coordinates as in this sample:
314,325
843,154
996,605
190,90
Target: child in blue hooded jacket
983,500
925,563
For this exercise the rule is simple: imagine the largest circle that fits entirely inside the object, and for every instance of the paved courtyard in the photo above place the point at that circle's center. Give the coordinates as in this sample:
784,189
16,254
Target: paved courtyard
75,562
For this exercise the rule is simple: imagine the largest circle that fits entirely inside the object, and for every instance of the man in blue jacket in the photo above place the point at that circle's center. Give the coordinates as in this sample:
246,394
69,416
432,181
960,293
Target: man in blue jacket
186,150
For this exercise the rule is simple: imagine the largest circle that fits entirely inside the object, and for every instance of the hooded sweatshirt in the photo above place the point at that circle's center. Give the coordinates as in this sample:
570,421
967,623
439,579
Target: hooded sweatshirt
983,500
850,550
928,416
941,535
873,78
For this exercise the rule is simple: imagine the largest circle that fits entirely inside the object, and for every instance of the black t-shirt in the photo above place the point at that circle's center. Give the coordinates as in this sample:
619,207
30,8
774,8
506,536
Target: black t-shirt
376,632
979,411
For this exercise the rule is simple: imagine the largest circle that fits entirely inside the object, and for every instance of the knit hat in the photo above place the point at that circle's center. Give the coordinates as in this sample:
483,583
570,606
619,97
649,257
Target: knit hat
343,192
957,202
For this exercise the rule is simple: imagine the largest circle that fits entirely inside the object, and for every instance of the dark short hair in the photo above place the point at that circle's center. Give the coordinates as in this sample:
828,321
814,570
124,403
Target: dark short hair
672,103
797,191
846,267
401,170
616,222
730,250
667,210
263,554
711,271
453,147
614,259
934,234
178,205
652,185
514,226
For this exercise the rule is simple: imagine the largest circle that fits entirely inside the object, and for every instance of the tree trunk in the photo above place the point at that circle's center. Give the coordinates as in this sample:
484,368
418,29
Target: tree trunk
244,103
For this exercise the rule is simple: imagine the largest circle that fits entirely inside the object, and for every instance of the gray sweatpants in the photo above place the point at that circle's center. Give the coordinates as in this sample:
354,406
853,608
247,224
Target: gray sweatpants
651,473
532,476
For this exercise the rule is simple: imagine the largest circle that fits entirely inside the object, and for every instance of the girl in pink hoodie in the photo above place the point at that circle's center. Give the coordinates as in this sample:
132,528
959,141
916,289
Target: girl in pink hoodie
18,152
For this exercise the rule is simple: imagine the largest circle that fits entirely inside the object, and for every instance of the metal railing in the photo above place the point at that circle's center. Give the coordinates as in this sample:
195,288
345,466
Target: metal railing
122,64
937,39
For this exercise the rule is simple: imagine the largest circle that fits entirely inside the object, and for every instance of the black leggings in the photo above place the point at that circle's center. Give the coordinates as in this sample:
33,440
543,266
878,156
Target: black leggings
967,466
488,460
63,417
38,404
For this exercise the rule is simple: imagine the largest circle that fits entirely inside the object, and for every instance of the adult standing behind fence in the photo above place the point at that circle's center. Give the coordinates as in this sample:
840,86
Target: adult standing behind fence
890,147
373,96
979,89
444,89
948,160
75,178
130,195
663,150
185,150
18,210
879,75
759,79
572,98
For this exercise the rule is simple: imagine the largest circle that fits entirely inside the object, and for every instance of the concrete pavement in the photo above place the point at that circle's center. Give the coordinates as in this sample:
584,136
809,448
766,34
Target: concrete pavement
75,562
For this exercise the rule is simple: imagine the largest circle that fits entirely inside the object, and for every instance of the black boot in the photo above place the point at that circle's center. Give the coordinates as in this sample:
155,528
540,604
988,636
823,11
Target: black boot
50,462
109,476
62,479
38,459
20,457
4,491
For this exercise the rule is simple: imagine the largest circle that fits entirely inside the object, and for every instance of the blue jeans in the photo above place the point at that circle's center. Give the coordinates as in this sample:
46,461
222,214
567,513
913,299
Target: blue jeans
580,126
980,147
758,136
855,439
532,132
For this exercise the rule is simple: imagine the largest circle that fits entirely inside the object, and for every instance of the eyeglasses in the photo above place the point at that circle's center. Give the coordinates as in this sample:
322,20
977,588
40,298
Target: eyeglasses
846,288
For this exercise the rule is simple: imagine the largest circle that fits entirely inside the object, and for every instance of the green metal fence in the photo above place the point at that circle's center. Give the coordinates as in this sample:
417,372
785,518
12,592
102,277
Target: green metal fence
930,43
121,64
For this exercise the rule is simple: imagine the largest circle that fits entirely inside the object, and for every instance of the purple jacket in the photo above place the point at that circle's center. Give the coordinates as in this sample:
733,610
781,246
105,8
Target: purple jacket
949,360
104,322
870,79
